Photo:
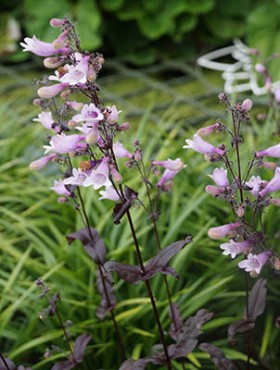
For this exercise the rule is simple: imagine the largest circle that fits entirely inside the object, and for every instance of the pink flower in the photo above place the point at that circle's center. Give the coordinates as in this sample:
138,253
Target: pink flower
48,92
201,146
272,185
272,151
204,131
255,183
255,262
169,164
60,188
260,68
219,176
214,190
89,114
78,178
233,248
42,162
166,176
41,48
112,114
109,193
247,105
53,62
46,119
62,144
221,231
99,176
120,151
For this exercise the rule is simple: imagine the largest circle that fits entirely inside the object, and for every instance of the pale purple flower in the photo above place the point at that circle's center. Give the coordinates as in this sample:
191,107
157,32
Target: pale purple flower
260,68
275,202
201,146
45,118
112,114
48,92
166,176
255,262
78,178
60,41
204,131
170,164
214,190
234,248
41,48
89,114
221,231
247,105
272,151
42,162
255,183
73,74
53,62
60,188
99,176
272,185
219,176
109,193
57,22
276,93
120,151
63,144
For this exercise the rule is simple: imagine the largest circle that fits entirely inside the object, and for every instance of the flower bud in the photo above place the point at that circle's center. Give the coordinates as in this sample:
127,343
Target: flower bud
48,92
56,22
247,105
53,62
260,68
221,231
124,127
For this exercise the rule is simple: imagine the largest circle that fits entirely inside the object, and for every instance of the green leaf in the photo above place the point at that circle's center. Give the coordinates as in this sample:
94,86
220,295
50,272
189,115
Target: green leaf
111,5
198,7
231,28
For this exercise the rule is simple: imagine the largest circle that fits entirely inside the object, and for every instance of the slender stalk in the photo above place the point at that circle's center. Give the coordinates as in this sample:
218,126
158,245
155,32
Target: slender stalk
113,318
248,336
68,340
4,361
149,290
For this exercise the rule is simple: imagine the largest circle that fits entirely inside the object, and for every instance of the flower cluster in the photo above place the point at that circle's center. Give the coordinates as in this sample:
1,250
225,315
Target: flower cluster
246,194
81,134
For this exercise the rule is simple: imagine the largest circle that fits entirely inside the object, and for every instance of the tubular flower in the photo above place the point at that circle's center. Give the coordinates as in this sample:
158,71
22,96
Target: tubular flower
219,176
201,146
204,131
42,162
120,151
214,190
48,92
272,151
255,262
109,193
46,119
99,176
255,183
41,48
60,188
78,178
221,231
234,248
272,185
63,144
169,164
89,114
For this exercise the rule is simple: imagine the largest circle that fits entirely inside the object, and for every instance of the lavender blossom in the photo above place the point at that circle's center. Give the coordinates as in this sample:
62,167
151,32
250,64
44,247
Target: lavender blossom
60,188
255,262
41,48
201,146
234,248
219,176
221,231
40,163
272,151
272,185
63,144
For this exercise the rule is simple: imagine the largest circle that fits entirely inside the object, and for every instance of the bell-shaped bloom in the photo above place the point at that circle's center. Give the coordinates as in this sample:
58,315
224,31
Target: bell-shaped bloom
41,48
272,151
219,176
73,74
78,178
99,176
255,262
234,248
60,188
204,131
169,164
221,231
272,185
60,41
89,114
42,162
120,151
214,190
45,118
63,144
201,146
112,114
109,193
255,183
48,92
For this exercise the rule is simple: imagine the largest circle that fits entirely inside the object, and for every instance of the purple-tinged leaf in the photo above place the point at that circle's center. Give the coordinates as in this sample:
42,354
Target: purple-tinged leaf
257,298
80,346
93,244
140,364
134,275
64,365
239,326
130,274
218,357
256,305
177,321
3,364
105,288
188,335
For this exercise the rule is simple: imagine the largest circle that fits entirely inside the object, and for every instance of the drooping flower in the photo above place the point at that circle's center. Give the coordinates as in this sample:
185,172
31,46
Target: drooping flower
219,176
120,151
48,92
63,144
169,164
201,146
40,163
204,131
45,118
272,185
221,231
255,262
272,151
234,248
41,48
60,188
